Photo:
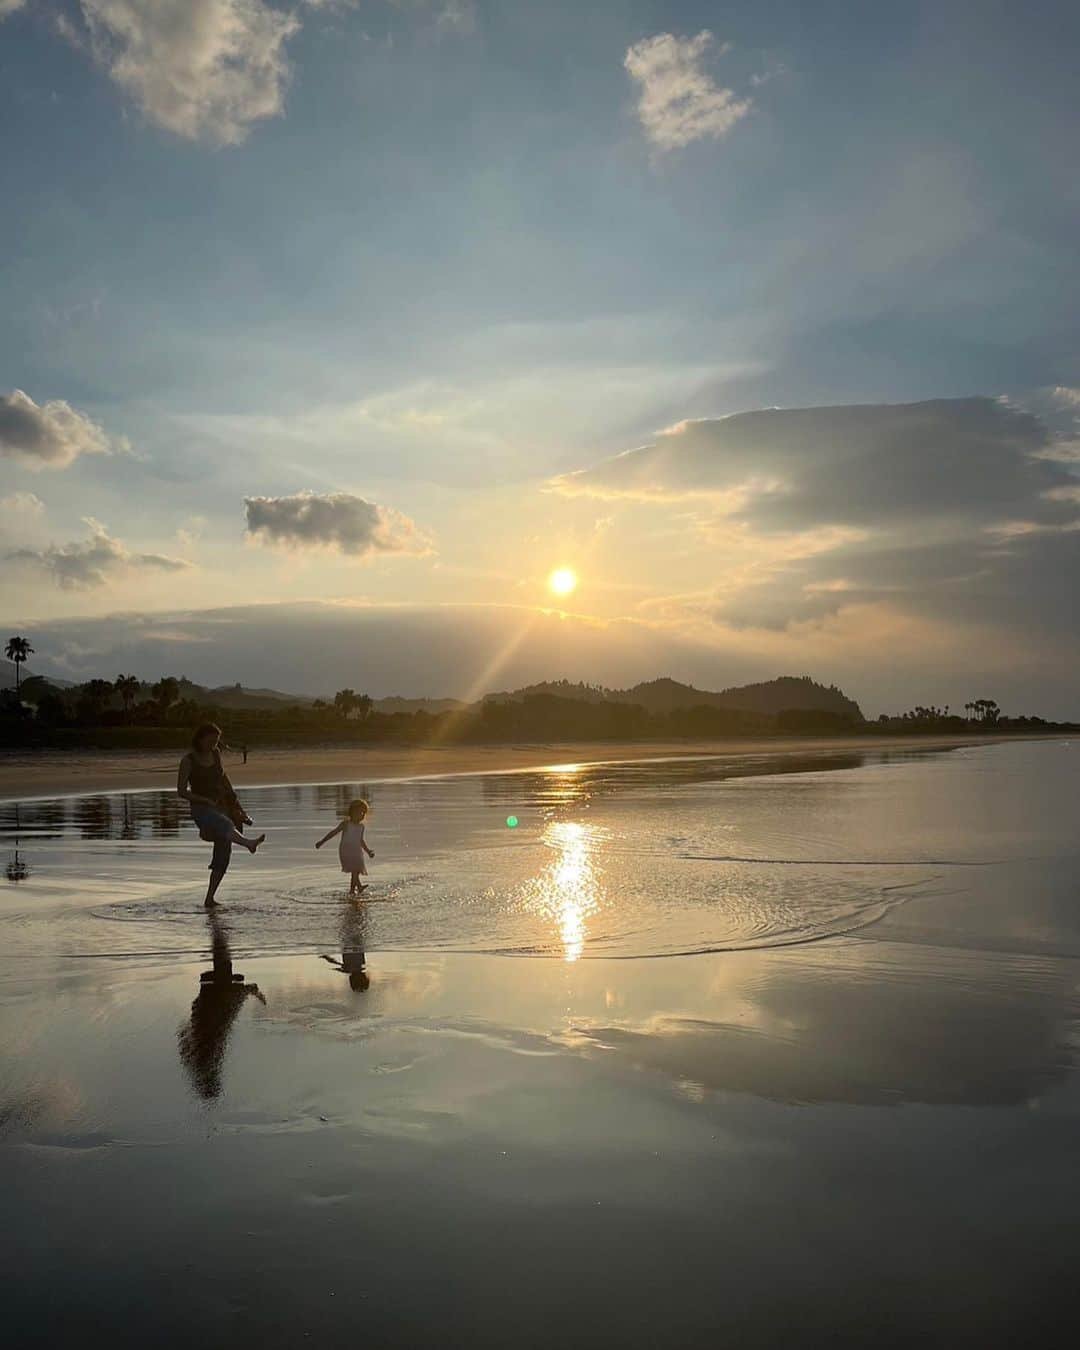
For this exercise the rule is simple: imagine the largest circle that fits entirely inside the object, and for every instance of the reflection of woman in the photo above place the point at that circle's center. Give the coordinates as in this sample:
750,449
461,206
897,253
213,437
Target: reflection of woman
204,784
221,996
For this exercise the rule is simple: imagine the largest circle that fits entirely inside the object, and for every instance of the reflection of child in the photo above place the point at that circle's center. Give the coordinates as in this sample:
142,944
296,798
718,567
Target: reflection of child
353,964
353,847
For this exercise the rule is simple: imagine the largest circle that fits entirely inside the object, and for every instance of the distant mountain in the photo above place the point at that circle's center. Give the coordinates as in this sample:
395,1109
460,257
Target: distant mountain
238,697
664,695
7,676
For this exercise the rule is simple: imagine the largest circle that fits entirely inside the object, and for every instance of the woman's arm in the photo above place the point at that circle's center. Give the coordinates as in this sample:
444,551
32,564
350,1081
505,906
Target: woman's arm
327,837
183,778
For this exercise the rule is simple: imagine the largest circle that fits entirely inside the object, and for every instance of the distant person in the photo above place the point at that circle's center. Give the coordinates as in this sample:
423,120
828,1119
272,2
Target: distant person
204,784
353,846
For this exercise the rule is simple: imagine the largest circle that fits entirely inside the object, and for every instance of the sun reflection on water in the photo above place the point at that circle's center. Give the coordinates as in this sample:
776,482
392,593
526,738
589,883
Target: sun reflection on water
569,890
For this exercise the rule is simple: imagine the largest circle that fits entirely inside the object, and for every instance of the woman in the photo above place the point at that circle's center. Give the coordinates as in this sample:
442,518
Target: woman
204,784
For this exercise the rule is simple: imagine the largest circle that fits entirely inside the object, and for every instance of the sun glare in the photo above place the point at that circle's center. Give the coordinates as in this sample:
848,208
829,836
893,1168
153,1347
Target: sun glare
562,581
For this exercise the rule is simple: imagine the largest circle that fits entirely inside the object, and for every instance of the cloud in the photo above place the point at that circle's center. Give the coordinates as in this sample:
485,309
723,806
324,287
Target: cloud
202,69
22,505
932,508
333,520
857,464
679,102
9,7
51,435
89,563
415,650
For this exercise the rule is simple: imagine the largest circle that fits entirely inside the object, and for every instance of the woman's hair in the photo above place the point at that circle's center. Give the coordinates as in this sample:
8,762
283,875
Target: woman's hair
358,805
200,733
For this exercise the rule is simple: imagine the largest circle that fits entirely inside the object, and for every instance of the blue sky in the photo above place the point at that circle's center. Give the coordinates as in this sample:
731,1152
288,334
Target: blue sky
431,256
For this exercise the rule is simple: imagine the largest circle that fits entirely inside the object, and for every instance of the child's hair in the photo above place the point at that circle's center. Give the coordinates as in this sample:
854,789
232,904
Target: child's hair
358,806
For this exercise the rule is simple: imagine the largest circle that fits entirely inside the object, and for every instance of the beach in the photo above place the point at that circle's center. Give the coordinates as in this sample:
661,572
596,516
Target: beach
614,1053
39,773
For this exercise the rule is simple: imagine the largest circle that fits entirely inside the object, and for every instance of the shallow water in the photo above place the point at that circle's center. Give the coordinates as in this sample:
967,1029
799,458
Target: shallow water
628,860
839,1106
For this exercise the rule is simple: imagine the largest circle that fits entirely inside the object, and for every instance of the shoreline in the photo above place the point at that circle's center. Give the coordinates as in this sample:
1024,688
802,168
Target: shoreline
45,773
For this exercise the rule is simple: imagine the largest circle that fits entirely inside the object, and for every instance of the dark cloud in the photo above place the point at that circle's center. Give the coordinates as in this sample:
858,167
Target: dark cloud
860,465
936,508
334,520
458,650
89,563
49,435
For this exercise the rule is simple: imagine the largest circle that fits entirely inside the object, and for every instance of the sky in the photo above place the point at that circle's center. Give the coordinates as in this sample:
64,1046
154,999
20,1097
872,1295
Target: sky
331,329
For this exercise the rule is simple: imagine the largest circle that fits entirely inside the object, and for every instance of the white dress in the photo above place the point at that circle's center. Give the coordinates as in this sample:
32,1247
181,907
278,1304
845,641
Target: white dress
351,848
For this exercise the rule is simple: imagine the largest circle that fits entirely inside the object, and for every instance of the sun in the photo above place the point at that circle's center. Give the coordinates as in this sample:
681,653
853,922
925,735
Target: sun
562,581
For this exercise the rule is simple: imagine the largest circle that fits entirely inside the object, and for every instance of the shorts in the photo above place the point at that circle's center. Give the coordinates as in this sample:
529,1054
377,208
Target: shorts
217,829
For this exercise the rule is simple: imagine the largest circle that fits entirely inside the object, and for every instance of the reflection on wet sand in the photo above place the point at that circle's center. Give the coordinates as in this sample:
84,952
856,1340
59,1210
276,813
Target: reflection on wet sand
353,941
972,1029
222,993
17,868
569,889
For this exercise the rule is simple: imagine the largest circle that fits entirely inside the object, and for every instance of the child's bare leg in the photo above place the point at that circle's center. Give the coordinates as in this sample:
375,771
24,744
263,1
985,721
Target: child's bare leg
354,884
250,844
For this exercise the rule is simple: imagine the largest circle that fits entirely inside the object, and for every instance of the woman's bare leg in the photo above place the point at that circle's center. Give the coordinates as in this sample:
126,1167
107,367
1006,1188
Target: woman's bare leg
211,890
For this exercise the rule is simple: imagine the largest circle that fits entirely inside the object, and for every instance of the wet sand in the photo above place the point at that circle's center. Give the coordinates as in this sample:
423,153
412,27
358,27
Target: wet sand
298,1120
52,773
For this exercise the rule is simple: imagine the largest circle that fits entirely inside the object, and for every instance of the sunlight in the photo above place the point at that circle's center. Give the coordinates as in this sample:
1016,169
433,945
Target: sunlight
563,581
569,890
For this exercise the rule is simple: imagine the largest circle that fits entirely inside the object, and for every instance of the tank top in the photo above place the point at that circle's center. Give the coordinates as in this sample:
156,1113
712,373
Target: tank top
208,780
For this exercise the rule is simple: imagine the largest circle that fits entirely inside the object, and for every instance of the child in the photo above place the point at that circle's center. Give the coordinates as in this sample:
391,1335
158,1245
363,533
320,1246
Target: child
352,848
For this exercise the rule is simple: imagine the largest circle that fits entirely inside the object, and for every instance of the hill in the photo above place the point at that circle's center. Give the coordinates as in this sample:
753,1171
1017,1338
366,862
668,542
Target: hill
7,676
664,695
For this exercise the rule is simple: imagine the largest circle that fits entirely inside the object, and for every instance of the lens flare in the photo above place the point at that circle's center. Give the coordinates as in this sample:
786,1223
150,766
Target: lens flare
562,581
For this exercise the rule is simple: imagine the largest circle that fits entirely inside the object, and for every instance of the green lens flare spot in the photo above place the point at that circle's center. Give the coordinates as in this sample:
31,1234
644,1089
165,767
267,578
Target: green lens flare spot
511,822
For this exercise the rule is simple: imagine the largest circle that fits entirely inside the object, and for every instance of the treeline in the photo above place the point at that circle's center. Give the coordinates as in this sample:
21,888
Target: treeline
99,715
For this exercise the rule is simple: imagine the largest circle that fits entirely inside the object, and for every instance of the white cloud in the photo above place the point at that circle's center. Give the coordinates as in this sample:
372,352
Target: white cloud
202,69
9,7
89,563
22,506
333,520
679,101
50,435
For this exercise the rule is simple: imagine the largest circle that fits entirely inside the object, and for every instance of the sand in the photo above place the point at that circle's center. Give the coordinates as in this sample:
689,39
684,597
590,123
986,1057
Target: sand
46,773
299,1121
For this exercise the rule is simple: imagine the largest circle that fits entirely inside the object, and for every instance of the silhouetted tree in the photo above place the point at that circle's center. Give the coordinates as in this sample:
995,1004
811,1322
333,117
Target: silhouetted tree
127,686
18,649
345,700
166,692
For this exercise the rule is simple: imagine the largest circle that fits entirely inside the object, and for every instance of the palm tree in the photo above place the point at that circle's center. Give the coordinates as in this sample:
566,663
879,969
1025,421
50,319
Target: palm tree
18,650
166,692
363,705
127,686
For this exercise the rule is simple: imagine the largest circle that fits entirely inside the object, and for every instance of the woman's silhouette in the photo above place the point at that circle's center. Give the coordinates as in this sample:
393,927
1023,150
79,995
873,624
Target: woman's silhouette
204,784
205,1036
